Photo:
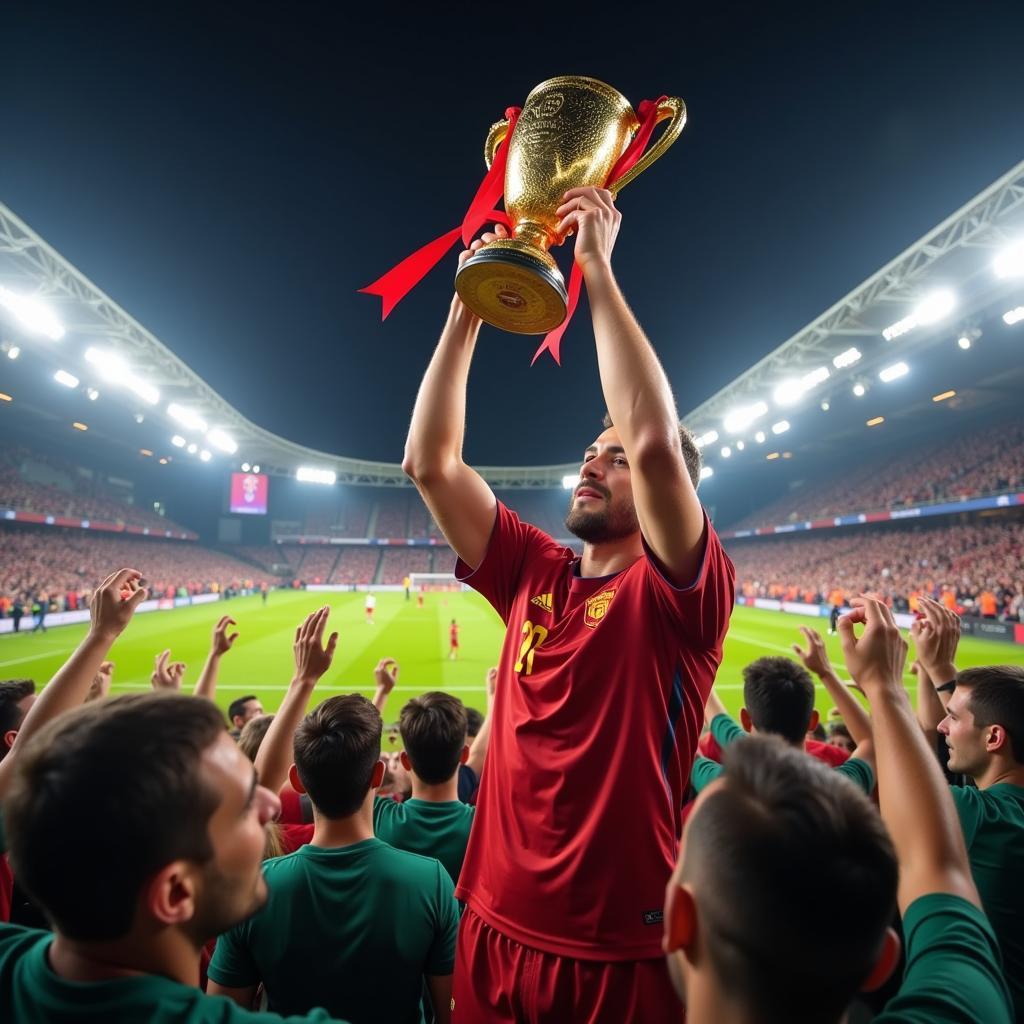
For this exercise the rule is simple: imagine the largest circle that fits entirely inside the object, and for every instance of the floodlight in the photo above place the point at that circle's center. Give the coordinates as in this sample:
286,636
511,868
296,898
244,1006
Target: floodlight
1013,316
759,437
187,417
710,437
894,372
33,314
847,358
705,472
192,448
204,455
178,441
781,427
570,481
739,419
221,440
245,467
964,342
310,475
69,380
726,452
13,352
1009,262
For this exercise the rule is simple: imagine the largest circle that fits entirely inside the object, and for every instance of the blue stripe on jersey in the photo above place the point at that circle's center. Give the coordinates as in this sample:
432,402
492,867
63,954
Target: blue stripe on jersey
675,709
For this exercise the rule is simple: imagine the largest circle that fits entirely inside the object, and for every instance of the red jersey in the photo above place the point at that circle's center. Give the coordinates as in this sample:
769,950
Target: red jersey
827,752
453,636
599,703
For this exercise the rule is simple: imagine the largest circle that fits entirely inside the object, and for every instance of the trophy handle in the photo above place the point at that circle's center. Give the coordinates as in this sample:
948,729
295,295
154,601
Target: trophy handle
497,134
673,107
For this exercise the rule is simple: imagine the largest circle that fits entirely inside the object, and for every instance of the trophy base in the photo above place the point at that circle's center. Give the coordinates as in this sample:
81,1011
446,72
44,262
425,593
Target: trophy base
513,290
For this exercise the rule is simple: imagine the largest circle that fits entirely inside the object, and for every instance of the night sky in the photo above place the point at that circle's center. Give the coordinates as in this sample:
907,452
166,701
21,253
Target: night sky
232,174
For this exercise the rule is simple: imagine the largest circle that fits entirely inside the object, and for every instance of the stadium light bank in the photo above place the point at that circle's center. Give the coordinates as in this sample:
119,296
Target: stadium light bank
310,475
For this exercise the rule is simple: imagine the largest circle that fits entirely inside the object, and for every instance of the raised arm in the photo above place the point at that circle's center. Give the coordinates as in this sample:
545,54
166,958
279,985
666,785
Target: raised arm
482,740
385,676
637,394
914,798
815,659
312,660
459,499
936,638
221,642
113,603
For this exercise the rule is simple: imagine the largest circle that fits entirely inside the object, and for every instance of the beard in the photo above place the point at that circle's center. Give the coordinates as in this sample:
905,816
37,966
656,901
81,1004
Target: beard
608,523
225,901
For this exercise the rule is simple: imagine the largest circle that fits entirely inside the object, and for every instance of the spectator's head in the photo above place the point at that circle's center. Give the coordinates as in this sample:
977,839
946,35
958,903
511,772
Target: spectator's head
839,736
984,723
251,736
16,697
185,853
244,710
741,923
337,756
433,731
474,720
779,698
601,508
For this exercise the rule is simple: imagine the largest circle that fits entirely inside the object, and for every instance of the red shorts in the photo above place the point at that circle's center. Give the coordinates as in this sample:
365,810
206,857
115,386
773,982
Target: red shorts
498,980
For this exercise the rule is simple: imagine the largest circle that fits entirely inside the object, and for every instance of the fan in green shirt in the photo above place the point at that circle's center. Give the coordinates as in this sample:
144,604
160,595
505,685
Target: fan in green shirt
725,731
742,939
352,924
983,725
434,822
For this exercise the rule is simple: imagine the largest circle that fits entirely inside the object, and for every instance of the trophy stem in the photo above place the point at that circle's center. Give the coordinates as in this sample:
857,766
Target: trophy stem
534,234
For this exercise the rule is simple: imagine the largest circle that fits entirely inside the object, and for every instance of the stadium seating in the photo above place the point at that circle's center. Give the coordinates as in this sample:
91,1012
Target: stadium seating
32,481
898,562
986,461
62,562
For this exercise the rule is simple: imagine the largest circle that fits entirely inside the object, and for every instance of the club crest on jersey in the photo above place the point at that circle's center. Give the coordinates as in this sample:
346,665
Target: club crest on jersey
597,607
545,601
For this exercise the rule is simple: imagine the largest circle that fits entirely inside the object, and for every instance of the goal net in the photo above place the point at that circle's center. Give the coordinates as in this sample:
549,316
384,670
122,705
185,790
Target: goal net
427,582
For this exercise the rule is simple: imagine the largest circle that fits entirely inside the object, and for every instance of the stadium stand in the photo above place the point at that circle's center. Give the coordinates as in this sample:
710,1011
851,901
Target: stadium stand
355,565
987,461
965,561
65,564
38,482
397,563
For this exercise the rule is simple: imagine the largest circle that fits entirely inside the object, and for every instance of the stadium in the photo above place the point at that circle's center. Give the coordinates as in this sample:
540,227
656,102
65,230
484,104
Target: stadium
278,668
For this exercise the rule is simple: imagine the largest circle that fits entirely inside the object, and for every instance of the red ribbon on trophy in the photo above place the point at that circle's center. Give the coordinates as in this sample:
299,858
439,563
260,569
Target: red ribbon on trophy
648,114
393,286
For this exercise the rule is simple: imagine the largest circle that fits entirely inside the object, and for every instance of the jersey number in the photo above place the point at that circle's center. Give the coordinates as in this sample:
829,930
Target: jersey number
533,637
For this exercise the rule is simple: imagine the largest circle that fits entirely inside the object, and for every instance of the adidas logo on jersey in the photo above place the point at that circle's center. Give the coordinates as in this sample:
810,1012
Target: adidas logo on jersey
545,601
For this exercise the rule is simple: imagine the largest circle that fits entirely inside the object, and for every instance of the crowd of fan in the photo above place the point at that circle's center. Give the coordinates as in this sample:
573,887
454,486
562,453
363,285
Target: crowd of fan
289,863
56,567
71,494
990,461
975,568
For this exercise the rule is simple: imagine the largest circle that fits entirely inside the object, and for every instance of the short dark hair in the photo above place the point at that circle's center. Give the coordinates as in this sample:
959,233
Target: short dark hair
779,696
474,722
237,707
691,453
759,850
12,693
337,747
997,698
252,735
433,730
132,760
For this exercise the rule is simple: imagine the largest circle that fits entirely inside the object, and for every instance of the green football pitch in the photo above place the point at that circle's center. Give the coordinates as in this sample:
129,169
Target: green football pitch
417,638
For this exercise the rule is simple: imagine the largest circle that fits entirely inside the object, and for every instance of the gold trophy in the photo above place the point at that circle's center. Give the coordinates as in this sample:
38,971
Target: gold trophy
570,134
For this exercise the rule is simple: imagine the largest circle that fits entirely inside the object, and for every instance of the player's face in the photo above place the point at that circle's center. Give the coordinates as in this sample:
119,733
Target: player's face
231,886
965,740
601,508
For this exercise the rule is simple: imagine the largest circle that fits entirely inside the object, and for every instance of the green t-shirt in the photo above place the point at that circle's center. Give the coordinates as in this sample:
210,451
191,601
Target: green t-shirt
993,824
726,731
953,971
30,991
431,829
353,929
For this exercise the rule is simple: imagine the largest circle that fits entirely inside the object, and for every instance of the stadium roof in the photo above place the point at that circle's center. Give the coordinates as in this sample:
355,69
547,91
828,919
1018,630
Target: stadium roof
944,285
